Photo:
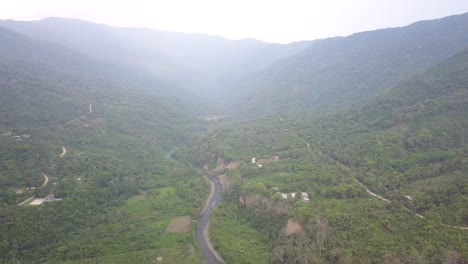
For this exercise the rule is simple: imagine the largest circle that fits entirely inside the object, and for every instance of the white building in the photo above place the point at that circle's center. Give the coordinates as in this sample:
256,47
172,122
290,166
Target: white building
305,197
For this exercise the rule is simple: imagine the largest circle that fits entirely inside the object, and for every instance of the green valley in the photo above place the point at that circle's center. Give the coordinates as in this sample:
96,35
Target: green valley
119,145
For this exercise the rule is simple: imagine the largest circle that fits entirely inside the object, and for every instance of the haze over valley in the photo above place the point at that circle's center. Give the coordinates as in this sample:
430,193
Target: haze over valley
136,145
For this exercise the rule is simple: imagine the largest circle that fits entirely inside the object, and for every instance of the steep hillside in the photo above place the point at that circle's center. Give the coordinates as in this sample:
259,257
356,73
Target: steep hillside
92,136
411,140
386,181
338,73
48,77
195,61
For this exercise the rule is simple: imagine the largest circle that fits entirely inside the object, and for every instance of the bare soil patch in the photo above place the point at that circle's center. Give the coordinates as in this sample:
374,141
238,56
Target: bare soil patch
233,165
180,224
37,202
226,182
293,227
221,165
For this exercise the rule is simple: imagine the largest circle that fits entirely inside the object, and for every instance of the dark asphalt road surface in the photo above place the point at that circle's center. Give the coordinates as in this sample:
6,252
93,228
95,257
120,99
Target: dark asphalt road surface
208,252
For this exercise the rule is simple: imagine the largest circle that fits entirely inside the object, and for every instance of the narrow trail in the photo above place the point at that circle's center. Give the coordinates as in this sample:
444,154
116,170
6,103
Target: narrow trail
27,200
388,201
64,151
371,193
414,213
46,180
81,117
457,227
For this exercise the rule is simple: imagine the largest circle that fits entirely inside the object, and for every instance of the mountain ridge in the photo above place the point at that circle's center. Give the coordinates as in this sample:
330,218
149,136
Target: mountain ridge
340,72
195,61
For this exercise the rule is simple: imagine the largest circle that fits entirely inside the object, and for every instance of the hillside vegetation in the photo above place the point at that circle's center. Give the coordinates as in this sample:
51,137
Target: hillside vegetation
116,135
342,150
338,73
409,141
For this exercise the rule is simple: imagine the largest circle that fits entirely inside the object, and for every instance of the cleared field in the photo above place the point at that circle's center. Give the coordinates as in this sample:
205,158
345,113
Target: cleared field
180,224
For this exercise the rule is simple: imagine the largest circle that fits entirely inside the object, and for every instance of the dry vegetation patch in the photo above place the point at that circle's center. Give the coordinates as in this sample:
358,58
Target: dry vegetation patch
292,227
180,224
226,182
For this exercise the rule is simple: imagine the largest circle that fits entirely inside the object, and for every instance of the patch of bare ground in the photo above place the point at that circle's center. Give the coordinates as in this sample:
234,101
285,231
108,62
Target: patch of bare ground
222,165
226,182
180,224
292,227
233,165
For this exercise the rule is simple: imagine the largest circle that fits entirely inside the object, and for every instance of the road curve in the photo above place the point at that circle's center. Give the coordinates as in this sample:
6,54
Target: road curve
64,151
46,180
201,233
209,253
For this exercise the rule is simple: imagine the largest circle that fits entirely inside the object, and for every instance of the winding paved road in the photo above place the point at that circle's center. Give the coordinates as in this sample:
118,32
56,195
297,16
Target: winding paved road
209,253
201,233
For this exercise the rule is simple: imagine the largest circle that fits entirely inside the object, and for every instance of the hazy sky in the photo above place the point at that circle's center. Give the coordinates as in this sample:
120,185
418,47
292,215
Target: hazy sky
279,21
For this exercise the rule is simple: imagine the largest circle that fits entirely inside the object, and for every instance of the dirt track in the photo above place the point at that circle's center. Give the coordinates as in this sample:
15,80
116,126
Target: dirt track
64,151
46,180
388,201
416,214
81,117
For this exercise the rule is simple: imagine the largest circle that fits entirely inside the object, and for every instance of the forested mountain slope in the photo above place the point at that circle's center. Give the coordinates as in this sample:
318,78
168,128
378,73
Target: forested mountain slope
96,123
47,77
408,146
94,136
338,73
196,61
410,140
